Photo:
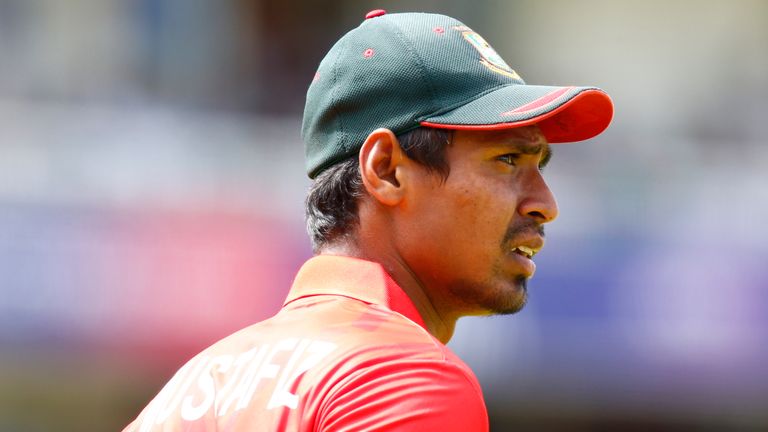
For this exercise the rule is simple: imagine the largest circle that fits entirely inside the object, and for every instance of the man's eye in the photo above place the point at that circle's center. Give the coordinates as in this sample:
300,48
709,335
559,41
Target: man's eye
509,158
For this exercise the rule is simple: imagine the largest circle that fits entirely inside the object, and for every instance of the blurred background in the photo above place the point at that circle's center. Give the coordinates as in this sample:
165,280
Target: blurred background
152,186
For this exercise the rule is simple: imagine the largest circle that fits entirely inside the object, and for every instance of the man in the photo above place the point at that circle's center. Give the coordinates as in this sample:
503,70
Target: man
428,205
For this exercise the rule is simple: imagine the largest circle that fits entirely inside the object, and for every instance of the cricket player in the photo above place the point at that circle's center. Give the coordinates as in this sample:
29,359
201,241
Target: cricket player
428,204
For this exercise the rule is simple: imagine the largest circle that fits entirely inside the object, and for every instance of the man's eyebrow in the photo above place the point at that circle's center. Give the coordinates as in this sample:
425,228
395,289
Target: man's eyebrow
530,149
534,149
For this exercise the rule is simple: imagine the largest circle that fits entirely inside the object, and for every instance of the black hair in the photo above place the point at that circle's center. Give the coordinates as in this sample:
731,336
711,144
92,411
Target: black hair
331,205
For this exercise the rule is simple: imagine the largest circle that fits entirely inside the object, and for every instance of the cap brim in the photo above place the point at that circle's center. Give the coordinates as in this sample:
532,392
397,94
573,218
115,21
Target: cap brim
564,114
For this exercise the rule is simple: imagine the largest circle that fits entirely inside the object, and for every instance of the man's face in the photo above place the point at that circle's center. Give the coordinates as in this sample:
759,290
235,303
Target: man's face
468,239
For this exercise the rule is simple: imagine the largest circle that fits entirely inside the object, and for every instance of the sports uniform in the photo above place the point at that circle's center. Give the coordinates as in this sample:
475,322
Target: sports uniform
350,350
347,352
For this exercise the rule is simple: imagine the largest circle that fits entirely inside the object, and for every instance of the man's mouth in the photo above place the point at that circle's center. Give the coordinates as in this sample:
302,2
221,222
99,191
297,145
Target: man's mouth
524,251
526,247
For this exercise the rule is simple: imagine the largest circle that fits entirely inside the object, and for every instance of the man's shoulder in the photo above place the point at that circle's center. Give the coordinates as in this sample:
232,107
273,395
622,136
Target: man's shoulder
411,378
324,365
363,330
360,332
353,337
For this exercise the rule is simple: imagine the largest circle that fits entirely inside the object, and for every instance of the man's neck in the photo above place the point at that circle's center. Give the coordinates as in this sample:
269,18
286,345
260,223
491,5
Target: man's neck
440,326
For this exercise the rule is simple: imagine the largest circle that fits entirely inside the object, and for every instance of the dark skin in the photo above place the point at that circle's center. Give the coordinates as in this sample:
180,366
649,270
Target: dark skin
457,246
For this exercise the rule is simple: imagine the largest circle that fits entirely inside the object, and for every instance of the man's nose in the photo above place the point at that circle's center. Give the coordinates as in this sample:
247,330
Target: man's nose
539,202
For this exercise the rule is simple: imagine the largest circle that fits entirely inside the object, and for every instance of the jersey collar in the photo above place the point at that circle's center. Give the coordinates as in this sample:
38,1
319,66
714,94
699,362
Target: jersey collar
366,281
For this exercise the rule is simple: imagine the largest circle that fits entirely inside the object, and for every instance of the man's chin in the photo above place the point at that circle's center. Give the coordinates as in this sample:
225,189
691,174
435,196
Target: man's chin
510,300
509,310
506,298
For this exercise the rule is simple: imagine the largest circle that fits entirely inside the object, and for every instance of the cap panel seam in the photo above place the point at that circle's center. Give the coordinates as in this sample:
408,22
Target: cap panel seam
334,95
419,61
337,116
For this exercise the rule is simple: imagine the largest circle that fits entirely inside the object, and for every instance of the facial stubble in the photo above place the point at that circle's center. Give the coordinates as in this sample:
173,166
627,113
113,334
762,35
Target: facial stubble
501,293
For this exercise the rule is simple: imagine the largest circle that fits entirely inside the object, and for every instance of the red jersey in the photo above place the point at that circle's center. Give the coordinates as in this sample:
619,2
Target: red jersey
348,351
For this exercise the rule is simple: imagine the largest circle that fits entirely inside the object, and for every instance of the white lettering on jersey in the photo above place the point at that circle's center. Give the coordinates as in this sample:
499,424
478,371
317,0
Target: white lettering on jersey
165,402
317,351
181,391
241,384
277,398
206,386
240,377
241,362
267,370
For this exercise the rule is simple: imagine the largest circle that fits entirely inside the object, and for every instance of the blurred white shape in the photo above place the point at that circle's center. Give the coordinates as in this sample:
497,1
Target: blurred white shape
149,156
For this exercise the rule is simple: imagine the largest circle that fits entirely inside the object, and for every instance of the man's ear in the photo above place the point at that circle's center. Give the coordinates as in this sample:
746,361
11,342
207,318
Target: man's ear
381,166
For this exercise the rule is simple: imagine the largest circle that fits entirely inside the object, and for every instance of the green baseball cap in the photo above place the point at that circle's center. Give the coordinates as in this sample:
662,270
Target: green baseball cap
402,71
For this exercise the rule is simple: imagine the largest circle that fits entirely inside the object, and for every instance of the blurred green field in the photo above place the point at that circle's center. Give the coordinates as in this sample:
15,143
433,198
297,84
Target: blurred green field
69,393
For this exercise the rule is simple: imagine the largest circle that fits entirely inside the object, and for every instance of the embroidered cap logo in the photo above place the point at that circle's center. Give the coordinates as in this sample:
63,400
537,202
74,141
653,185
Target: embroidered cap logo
489,57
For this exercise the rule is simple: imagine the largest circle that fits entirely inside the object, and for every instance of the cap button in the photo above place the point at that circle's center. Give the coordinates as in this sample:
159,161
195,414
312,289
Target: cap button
375,13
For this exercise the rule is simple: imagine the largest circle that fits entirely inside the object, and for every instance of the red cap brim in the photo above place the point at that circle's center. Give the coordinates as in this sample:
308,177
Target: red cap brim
583,115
